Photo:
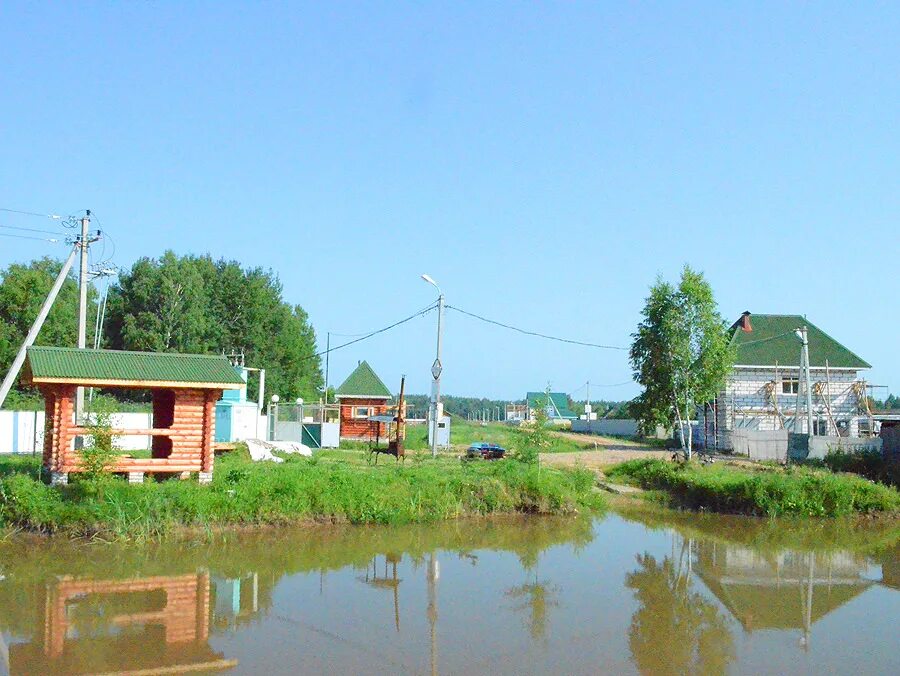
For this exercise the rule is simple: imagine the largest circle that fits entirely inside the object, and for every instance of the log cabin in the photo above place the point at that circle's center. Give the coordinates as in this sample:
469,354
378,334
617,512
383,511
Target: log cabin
362,396
184,389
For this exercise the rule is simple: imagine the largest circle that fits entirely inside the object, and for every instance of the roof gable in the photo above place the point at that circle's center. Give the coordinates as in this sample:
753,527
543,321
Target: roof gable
363,383
133,369
560,401
772,340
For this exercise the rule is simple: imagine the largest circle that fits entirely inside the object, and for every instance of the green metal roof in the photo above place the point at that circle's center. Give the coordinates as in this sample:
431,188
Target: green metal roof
560,401
72,364
772,340
363,382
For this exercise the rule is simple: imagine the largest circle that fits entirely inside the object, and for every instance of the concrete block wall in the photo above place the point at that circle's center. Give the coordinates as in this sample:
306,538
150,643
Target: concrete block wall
819,447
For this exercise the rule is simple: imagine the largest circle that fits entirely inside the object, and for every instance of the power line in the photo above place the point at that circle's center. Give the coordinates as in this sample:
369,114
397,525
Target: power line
39,239
31,213
763,340
535,333
16,227
366,336
593,385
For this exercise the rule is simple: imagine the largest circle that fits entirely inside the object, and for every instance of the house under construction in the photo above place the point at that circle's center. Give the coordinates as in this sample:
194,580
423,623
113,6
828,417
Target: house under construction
767,390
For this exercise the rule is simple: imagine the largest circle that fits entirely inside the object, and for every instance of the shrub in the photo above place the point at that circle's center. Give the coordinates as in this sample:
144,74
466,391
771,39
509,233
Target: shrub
797,490
99,455
870,464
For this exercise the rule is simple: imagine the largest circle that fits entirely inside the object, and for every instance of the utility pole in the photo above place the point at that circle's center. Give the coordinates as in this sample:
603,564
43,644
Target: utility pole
327,355
436,369
84,241
804,337
36,327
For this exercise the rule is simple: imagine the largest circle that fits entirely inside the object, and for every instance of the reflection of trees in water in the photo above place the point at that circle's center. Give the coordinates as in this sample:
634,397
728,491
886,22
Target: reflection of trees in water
538,598
675,630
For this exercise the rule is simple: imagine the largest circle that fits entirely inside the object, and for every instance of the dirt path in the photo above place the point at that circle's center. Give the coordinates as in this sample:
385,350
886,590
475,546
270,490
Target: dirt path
593,441
610,455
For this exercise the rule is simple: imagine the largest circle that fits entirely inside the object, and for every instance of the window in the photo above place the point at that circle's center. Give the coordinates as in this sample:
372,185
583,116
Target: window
790,385
362,411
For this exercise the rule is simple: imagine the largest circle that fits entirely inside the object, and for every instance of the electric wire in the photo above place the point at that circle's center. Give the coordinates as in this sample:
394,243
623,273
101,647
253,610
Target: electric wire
17,227
763,340
535,333
39,239
31,213
421,313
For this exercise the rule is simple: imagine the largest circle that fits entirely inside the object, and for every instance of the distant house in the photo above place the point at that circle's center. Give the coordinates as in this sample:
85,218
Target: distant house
362,396
555,405
766,383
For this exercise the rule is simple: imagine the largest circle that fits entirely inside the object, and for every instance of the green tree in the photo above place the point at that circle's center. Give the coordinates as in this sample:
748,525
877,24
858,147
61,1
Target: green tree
195,304
534,436
680,354
23,289
675,630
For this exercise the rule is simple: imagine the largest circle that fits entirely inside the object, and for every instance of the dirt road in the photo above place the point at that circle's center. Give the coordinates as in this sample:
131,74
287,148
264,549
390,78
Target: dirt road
600,459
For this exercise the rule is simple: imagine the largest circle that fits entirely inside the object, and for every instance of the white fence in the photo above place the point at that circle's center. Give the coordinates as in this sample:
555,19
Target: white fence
23,431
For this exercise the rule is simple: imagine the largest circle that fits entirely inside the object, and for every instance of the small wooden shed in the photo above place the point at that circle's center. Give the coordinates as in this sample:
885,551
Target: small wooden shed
363,396
184,387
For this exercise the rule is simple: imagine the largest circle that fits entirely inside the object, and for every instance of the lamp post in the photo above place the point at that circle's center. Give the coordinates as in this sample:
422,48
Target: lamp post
803,334
436,369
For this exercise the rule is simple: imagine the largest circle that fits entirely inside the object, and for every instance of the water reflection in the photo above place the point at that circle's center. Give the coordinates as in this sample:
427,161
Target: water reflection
656,593
675,630
780,590
151,623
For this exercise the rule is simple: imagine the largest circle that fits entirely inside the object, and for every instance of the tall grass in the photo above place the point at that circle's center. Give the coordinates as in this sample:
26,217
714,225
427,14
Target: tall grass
762,491
298,490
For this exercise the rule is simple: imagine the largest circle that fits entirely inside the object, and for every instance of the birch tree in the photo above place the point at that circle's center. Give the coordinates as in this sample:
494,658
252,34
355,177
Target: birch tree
680,354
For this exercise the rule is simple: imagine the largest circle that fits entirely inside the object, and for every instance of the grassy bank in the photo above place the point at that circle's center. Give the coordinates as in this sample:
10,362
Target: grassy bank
333,489
464,432
767,491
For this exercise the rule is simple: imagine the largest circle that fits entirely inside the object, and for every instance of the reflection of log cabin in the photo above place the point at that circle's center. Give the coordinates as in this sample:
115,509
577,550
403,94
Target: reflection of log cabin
185,389
153,624
788,590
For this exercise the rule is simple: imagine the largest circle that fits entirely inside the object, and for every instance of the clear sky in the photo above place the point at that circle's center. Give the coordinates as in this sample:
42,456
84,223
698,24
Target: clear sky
544,162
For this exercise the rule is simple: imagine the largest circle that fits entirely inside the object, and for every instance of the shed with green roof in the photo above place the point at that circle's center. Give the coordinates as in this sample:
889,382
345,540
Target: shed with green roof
184,390
555,404
362,397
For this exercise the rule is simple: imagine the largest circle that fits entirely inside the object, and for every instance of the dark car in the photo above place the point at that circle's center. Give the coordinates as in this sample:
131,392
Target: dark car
481,449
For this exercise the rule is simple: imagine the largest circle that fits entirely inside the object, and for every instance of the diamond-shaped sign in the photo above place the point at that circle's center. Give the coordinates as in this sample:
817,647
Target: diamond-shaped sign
436,369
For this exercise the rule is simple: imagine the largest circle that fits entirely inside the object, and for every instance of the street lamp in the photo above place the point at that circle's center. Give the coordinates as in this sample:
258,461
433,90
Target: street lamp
436,369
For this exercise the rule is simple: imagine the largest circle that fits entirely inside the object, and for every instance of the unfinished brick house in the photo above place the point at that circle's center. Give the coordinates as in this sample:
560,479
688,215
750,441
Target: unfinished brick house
766,384
361,396
184,387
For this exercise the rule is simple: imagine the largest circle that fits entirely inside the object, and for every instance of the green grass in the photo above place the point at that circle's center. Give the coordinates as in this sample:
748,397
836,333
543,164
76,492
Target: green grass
336,486
765,491
463,433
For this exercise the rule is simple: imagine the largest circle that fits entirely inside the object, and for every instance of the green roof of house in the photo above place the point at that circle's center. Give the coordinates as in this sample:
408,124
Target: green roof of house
69,364
772,340
560,402
363,383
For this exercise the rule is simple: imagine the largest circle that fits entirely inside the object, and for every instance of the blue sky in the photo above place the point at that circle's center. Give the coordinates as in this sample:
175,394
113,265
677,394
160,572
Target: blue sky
543,162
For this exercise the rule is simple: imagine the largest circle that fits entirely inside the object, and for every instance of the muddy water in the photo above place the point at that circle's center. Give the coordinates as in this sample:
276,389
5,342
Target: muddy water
639,592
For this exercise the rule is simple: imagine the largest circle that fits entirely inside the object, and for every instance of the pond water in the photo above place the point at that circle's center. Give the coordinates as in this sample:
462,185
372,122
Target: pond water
645,591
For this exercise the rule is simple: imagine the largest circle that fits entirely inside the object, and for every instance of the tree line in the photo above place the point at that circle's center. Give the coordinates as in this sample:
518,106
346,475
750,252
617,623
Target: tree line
173,303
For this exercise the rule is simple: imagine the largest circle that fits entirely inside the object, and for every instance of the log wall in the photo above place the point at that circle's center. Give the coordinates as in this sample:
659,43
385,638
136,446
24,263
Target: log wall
183,432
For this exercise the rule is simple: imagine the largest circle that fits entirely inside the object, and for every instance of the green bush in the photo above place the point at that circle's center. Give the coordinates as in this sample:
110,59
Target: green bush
870,464
769,491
